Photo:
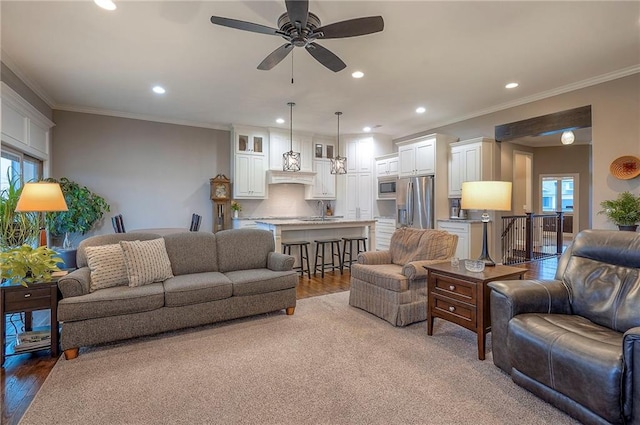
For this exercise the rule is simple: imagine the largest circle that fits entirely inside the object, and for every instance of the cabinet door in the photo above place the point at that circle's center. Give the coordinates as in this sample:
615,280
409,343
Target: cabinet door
382,168
278,146
463,233
406,161
258,177
351,201
472,166
456,171
365,196
324,183
249,177
352,155
426,157
393,166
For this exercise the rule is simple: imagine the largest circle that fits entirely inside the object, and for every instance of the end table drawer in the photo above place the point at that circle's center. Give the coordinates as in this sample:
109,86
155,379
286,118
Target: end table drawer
454,311
455,288
27,299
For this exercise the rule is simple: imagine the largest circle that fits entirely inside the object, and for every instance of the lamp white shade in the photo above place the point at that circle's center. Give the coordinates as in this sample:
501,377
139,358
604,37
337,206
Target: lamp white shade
486,195
41,197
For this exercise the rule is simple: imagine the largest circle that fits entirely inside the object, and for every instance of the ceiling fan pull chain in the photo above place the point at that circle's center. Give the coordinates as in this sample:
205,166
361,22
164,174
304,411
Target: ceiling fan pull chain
292,67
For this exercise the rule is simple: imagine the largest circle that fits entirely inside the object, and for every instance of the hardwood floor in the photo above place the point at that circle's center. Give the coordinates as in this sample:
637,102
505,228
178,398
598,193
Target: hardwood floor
23,375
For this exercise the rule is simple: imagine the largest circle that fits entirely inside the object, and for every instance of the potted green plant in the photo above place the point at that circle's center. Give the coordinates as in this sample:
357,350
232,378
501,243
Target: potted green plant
623,211
16,228
85,209
26,264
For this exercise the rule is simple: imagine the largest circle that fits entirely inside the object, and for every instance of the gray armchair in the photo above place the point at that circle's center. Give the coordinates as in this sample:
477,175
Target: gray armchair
574,341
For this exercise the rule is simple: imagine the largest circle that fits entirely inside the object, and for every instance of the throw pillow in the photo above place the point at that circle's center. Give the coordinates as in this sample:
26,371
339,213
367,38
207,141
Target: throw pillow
146,261
106,263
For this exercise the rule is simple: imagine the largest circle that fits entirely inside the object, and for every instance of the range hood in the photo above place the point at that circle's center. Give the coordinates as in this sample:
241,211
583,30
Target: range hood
295,177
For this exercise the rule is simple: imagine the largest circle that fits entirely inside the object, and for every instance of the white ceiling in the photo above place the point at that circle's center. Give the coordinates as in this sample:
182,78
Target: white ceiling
454,58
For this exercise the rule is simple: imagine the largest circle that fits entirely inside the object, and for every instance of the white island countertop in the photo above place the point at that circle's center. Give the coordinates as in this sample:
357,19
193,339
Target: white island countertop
285,230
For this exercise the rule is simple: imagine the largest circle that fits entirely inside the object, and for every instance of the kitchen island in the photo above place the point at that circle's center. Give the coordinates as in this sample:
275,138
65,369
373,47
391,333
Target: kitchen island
285,230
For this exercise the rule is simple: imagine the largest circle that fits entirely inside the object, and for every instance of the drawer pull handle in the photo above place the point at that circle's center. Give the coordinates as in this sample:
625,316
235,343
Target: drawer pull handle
452,288
452,309
27,295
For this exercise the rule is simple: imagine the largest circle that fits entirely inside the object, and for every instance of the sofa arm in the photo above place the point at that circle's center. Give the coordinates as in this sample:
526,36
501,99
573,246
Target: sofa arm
374,257
631,377
75,283
415,269
279,262
512,297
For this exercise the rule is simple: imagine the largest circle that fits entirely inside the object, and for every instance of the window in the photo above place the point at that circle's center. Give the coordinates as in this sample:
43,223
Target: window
16,164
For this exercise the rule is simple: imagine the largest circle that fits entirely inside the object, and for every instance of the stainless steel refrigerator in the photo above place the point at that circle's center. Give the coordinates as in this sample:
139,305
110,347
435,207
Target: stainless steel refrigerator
414,201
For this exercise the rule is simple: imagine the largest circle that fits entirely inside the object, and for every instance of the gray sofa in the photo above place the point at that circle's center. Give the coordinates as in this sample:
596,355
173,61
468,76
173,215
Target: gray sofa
575,341
222,276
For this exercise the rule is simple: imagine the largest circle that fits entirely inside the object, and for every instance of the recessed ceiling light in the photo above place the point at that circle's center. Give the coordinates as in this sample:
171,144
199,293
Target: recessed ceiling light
511,85
366,129
159,90
421,110
357,74
280,121
105,4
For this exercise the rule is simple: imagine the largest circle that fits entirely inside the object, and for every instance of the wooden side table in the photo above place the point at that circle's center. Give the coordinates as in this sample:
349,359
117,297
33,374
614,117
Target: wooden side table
462,297
18,299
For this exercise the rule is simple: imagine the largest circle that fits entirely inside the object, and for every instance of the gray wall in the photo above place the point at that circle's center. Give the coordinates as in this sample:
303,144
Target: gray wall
13,81
154,174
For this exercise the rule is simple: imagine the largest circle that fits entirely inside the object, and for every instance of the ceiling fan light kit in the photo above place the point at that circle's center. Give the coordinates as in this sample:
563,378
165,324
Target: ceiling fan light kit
301,28
338,163
291,159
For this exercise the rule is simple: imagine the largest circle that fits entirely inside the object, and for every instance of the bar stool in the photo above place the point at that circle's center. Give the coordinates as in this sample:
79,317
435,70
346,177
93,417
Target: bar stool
361,246
304,255
335,246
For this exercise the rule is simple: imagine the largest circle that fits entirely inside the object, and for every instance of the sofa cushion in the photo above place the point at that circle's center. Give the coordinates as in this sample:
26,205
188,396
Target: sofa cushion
387,276
192,252
106,263
572,353
112,301
196,288
243,249
260,281
146,261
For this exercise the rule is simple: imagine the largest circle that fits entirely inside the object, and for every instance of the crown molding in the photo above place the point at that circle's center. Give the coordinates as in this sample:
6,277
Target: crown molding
35,87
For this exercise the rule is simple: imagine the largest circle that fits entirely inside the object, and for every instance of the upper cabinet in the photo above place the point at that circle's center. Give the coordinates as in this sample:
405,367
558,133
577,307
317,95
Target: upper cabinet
249,163
417,157
359,153
324,183
387,165
469,160
252,141
280,142
23,126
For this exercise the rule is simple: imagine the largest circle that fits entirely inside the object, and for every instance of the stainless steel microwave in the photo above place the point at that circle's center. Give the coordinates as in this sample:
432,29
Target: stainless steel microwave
387,188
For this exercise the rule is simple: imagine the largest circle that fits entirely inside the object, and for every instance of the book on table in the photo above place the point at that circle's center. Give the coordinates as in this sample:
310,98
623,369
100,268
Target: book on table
31,340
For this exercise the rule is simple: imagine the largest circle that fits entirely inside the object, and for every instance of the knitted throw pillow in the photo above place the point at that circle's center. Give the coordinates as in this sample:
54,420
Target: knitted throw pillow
146,261
106,263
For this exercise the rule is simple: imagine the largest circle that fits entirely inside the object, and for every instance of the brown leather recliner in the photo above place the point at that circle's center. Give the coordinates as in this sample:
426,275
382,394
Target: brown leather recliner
575,341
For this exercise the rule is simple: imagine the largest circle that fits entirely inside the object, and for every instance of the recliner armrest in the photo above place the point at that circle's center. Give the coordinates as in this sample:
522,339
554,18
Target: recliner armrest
75,283
279,262
374,257
512,297
631,379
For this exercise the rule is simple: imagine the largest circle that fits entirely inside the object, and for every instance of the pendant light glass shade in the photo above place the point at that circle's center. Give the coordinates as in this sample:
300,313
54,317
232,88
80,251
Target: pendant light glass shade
567,138
291,159
338,163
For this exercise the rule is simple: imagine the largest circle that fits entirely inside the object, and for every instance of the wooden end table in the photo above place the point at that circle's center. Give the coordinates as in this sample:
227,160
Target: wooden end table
18,299
462,297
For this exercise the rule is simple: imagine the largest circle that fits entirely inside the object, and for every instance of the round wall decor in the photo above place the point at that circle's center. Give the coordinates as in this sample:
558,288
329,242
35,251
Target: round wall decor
626,167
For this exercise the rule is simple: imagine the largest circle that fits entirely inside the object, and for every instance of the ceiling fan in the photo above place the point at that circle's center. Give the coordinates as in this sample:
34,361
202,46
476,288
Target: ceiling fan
302,28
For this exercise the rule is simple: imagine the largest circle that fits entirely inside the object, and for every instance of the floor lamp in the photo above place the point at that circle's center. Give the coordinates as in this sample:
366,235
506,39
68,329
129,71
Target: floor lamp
41,197
486,195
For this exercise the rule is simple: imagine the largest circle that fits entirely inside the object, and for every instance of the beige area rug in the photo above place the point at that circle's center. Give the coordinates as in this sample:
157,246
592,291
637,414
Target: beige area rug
328,364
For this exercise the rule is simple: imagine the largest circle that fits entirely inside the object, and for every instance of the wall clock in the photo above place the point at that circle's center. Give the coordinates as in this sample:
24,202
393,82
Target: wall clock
220,188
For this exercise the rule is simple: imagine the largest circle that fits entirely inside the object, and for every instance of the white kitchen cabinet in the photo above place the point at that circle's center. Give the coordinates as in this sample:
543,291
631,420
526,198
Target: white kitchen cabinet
279,143
469,160
324,183
387,165
359,153
249,177
359,196
384,229
417,157
250,141
469,237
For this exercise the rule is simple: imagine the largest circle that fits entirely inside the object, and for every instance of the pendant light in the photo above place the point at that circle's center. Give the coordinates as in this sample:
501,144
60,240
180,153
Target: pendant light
291,159
338,163
567,138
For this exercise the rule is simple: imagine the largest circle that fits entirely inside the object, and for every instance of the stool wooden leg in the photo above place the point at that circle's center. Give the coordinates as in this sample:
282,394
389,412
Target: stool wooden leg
306,249
315,260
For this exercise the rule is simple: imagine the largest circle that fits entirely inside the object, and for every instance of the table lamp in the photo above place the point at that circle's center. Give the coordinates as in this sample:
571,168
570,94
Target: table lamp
41,197
486,195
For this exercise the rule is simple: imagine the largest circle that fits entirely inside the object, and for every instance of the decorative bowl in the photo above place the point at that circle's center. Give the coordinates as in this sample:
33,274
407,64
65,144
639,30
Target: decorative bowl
474,265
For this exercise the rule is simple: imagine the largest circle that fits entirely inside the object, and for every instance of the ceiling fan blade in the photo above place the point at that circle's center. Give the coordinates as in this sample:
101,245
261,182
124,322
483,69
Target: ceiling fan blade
275,57
243,25
298,11
325,57
351,27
